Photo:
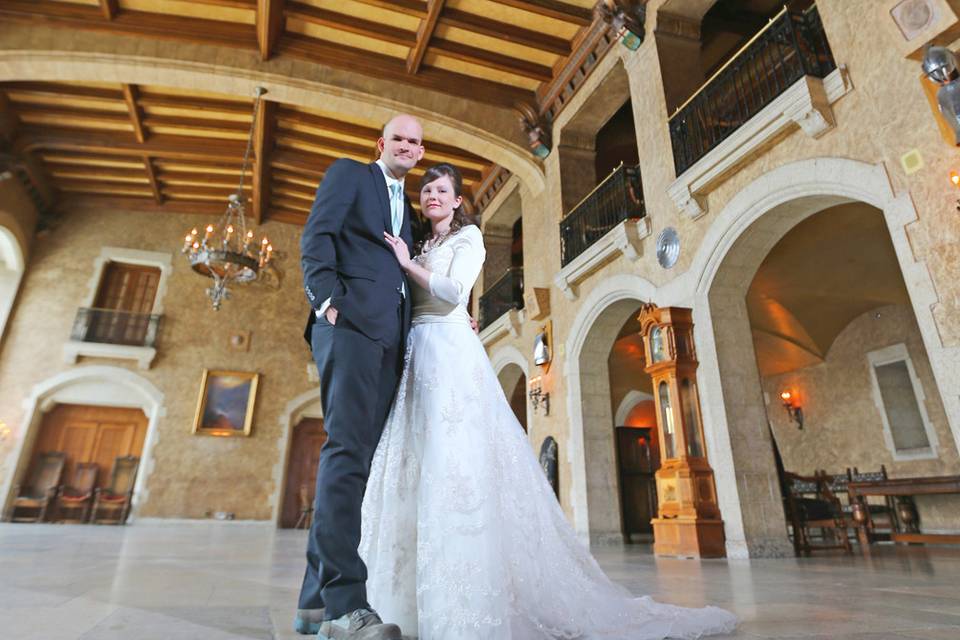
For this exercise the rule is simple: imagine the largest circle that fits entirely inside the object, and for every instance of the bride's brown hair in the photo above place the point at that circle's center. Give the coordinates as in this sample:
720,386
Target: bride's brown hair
461,218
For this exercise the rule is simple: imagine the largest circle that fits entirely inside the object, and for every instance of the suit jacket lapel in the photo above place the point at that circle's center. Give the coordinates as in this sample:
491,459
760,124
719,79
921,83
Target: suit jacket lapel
381,189
406,231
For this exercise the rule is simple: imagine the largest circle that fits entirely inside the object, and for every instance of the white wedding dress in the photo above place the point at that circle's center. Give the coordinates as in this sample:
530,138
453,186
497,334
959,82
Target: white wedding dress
462,536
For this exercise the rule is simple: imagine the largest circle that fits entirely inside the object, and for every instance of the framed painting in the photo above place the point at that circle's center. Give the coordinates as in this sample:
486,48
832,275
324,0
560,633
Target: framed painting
225,407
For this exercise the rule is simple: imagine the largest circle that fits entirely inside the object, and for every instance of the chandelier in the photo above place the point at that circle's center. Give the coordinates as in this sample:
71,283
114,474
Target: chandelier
227,251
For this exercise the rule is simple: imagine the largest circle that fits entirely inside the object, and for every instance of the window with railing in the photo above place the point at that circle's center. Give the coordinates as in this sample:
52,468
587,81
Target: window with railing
791,46
121,313
618,198
111,326
502,296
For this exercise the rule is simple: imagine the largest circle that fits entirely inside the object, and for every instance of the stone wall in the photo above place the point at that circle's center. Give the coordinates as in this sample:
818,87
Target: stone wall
191,474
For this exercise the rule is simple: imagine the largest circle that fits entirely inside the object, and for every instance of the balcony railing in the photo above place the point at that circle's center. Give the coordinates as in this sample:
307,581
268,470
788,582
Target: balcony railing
791,46
110,326
618,198
505,294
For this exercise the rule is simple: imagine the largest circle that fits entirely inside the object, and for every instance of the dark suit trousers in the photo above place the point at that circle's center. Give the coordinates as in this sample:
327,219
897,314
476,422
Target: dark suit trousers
358,379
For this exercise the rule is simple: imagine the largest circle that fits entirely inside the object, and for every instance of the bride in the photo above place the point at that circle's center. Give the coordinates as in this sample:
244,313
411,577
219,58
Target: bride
462,535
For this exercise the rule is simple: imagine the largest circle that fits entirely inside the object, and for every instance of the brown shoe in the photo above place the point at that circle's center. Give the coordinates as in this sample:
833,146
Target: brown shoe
359,624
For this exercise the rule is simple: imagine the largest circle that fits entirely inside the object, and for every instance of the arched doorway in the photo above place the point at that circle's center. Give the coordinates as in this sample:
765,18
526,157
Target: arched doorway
11,273
635,432
595,492
98,387
514,383
301,483
740,238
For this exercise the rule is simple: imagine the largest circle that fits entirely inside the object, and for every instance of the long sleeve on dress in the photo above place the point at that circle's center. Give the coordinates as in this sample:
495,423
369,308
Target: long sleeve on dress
468,255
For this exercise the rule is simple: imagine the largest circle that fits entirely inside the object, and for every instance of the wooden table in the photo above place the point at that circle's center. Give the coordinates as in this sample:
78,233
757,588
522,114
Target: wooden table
903,487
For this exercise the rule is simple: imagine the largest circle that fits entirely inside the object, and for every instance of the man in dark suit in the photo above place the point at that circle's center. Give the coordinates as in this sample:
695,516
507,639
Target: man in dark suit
357,327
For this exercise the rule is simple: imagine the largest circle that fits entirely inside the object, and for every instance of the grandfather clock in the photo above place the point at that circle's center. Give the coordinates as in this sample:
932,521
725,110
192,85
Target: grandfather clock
688,520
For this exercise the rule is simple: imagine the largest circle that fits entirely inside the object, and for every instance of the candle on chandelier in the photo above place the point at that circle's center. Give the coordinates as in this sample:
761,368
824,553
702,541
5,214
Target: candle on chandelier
229,234
208,233
247,240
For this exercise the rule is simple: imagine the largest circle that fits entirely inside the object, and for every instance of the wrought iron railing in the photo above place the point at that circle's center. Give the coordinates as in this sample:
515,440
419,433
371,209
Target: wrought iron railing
111,326
791,46
619,197
504,294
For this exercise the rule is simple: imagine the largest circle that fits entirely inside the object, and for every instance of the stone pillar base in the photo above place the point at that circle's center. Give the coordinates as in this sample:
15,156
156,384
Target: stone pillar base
688,538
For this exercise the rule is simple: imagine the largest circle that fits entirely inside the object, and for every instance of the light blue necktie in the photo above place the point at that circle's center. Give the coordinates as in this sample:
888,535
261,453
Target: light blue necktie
396,208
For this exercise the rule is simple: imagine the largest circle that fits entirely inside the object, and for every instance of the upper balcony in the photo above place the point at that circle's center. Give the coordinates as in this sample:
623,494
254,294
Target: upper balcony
784,75
611,219
112,333
504,295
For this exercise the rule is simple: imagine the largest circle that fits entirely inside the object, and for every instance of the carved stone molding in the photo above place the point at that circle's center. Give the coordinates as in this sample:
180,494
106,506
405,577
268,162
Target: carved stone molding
507,324
73,349
625,239
807,103
677,26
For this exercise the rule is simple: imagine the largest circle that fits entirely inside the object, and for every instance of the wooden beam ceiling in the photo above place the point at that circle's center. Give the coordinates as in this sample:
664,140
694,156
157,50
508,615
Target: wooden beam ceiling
128,144
263,143
269,26
511,74
109,8
424,33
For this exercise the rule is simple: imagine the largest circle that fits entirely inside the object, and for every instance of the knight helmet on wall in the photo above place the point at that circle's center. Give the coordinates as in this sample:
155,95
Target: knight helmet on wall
940,65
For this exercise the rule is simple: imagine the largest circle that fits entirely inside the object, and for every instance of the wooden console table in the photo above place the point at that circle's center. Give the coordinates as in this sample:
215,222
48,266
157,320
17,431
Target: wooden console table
893,488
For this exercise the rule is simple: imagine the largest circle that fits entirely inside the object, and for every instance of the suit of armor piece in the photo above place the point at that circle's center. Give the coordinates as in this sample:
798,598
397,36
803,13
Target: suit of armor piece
940,65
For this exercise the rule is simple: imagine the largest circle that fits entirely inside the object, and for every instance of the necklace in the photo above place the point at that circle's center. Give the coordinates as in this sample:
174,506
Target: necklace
435,241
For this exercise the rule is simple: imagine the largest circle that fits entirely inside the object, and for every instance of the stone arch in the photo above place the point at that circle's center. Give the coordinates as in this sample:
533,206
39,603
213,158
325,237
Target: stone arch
738,240
305,405
12,266
62,65
593,492
510,365
96,385
631,400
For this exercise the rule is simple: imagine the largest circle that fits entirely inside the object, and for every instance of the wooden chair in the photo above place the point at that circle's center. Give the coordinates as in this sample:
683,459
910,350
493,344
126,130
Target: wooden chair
39,493
115,498
306,508
881,520
811,505
79,493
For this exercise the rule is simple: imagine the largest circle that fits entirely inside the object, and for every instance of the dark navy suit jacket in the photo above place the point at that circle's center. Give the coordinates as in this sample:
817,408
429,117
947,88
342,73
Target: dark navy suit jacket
343,253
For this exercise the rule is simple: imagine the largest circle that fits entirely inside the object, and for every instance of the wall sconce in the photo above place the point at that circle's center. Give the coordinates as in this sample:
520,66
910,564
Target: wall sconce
538,397
543,346
794,410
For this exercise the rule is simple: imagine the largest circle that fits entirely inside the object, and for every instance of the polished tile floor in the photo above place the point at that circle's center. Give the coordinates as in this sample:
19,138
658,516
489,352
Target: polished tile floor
232,581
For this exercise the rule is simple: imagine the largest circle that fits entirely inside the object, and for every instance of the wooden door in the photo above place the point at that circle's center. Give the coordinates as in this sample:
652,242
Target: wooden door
91,434
639,459
124,303
308,438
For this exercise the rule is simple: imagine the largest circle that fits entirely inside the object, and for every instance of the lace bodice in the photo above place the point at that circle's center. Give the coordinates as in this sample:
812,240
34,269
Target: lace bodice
454,267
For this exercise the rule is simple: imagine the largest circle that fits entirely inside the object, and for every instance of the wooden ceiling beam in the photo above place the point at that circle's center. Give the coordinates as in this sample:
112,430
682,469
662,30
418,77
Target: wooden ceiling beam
552,9
263,144
198,191
146,204
233,4
492,59
109,8
133,109
168,146
455,154
270,26
392,69
205,105
171,176
152,176
424,33
502,31
343,22
65,90
132,23
290,217
94,173
416,8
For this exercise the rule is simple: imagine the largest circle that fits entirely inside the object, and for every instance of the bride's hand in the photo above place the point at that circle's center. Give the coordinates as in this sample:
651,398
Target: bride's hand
399,249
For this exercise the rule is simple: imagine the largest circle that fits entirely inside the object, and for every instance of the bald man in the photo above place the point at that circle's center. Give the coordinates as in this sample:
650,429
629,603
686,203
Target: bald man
357,327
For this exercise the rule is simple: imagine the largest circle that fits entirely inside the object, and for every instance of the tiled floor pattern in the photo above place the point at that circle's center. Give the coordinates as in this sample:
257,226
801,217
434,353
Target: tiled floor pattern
221,581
